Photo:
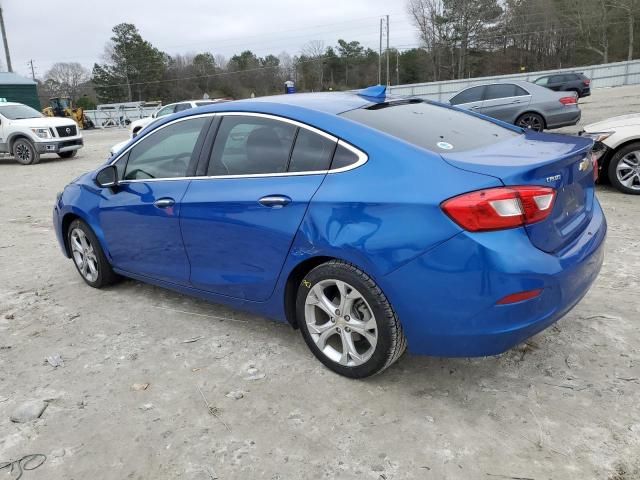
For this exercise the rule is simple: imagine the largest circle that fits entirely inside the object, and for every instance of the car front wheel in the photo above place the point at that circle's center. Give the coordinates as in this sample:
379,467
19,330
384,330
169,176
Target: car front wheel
88,257
347,321
25,152
624,169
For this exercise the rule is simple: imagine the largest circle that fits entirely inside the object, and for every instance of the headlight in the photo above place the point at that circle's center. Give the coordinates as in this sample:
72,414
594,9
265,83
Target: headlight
598,136
42,132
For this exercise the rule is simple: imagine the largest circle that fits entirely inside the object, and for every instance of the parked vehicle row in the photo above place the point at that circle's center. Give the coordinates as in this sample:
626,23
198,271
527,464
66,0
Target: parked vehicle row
371,223
137,125
521,103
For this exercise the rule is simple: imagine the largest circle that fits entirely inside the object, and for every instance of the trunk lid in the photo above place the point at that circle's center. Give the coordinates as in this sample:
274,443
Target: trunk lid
557,161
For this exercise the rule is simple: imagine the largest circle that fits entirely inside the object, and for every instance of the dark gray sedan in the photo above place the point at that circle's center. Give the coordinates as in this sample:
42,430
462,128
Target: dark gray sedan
521,103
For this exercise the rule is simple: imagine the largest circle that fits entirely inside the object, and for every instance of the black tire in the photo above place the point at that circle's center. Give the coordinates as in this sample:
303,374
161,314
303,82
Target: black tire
391,342
69,154
25,152
616,159
105,274
531,120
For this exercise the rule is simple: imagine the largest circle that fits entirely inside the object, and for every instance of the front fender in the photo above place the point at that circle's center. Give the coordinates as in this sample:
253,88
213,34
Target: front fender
79,201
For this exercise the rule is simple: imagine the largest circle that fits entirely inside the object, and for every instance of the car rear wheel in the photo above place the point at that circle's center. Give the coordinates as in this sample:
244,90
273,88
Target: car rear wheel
25,152
88,257
347,321
532,121
624,169
70,154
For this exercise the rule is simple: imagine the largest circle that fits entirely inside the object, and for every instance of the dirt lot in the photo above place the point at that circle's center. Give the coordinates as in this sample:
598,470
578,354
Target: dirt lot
564,406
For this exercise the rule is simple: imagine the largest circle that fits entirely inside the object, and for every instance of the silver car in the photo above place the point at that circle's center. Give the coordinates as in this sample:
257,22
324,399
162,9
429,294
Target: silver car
521,103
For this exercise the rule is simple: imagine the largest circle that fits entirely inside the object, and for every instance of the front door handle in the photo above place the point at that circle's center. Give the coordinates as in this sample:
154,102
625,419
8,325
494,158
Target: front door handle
275,201
164,202
475,107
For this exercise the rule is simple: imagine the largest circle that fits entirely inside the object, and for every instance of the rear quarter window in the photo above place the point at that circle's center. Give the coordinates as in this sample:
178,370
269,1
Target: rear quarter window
438,129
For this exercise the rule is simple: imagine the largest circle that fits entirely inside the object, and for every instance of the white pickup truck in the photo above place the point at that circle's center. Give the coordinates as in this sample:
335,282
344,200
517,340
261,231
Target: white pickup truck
26,134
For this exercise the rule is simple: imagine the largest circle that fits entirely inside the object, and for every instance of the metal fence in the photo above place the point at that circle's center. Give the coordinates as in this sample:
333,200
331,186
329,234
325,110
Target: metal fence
602,76
118,117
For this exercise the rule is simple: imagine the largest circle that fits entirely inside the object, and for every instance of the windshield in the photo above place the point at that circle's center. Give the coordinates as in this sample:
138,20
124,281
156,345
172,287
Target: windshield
18,112
431,126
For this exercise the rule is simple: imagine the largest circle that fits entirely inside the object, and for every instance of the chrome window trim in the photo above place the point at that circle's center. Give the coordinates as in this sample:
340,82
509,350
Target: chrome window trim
362,157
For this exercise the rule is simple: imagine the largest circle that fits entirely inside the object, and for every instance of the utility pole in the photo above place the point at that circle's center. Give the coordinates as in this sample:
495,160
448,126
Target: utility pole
380,56
388,78
397,67
33,73
6,44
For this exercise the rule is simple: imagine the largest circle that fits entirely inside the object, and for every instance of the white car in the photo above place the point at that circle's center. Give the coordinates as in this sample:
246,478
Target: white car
618,139
26,134
139,124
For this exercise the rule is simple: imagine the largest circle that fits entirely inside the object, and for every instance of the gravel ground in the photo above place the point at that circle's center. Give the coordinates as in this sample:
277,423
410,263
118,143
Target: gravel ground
128,402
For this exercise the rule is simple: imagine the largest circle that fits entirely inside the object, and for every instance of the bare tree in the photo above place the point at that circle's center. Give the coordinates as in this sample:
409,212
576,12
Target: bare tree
630,9
69,77
221,61
314,51
592,20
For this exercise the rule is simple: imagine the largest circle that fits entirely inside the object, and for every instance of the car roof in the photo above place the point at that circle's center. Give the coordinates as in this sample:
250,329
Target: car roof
12,104
327,102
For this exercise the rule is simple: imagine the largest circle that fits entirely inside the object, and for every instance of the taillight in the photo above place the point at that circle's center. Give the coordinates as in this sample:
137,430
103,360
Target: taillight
595,155
500,208
586,82
569,100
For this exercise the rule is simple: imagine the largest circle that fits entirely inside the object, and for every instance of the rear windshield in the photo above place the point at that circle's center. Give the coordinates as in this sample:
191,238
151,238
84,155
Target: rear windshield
430,126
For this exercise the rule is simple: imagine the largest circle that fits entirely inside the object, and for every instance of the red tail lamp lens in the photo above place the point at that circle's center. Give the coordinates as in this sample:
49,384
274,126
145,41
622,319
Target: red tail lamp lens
500,208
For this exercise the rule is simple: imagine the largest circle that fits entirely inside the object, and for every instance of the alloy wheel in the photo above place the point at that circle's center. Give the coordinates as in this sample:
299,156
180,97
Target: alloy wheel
341,322
84,255
531,121
628,170
23,152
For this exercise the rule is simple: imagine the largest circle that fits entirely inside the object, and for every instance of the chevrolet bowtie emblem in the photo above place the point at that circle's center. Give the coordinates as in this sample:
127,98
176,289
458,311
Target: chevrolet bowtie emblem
584,165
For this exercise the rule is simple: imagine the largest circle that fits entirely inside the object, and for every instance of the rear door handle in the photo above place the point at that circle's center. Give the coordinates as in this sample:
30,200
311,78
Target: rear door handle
475,107
275,201
164,202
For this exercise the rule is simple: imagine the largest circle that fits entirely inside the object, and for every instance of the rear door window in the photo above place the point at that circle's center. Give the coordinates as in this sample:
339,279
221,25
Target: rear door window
431,126
248,145
501,90
473,94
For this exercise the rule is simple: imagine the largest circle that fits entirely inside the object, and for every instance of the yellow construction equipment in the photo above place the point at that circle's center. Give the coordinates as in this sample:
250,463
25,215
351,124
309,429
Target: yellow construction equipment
63,107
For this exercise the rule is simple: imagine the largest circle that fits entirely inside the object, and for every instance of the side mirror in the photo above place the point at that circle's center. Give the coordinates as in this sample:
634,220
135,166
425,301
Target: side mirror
107,177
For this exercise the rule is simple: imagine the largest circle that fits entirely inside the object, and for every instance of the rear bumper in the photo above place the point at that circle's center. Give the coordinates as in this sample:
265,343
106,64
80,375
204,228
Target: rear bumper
446,299
59,146
563,118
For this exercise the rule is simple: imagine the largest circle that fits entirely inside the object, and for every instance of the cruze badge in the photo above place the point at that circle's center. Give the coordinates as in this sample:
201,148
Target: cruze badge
583,166
554,178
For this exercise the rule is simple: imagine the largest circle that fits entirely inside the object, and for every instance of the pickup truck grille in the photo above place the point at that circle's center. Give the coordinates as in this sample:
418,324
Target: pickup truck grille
69,131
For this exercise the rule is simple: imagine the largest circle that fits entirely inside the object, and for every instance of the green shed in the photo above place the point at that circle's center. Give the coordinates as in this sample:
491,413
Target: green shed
14,88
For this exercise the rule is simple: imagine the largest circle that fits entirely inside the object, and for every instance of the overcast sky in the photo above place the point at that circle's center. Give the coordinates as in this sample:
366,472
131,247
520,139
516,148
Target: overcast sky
50,31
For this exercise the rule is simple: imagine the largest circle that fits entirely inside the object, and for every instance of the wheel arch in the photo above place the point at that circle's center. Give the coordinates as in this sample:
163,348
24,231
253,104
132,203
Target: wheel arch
296,275
15,137
607,159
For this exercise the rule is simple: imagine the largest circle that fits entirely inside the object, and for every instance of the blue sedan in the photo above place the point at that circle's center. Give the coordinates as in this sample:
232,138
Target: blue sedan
372,223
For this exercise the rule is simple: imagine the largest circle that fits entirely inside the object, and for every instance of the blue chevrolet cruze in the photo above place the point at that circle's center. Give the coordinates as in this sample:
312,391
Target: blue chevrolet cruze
371,223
